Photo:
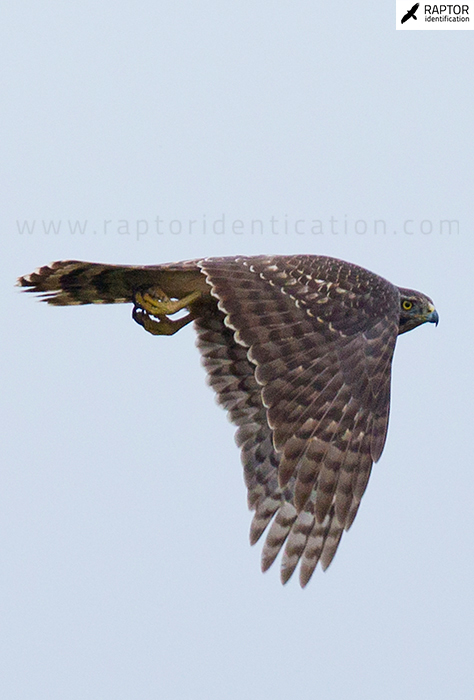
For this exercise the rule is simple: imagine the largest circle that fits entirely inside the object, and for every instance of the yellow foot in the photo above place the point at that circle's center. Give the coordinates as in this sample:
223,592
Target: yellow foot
155,302
163,326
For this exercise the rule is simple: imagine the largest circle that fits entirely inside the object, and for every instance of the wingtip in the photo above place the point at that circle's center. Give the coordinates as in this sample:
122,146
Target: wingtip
306,573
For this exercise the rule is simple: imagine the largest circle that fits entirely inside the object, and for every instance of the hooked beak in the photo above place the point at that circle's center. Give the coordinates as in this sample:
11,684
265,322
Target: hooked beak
432,316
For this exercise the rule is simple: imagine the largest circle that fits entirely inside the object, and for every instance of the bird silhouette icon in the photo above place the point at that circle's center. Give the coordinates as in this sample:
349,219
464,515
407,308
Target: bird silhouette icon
411,13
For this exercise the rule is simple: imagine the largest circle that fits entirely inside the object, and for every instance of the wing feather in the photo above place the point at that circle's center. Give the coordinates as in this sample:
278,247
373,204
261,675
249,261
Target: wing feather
314,411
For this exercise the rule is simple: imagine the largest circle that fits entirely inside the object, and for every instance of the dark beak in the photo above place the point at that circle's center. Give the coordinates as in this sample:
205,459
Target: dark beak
433,317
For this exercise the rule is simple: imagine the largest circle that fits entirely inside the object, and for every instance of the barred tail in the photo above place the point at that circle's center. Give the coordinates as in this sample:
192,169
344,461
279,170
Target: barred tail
71,282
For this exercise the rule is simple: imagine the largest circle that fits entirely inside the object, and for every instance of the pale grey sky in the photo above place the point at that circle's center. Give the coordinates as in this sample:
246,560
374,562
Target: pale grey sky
125,568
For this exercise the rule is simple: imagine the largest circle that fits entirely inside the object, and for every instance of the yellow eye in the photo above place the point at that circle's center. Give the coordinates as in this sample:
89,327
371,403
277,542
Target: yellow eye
407,305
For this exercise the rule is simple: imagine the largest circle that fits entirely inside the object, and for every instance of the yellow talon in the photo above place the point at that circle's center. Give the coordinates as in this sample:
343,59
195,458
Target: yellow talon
163,326
155,302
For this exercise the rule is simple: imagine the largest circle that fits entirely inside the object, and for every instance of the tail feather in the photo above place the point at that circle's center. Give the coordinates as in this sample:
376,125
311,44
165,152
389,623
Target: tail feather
72,282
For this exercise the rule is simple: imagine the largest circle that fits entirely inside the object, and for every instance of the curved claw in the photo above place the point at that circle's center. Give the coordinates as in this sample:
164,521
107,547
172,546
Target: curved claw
162,326
155,302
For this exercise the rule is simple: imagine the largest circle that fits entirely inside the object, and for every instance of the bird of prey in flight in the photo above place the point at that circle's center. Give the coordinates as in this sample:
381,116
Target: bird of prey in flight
298,350
411,13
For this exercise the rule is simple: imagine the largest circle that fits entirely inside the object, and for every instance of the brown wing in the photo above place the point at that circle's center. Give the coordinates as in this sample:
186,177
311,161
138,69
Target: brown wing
303,365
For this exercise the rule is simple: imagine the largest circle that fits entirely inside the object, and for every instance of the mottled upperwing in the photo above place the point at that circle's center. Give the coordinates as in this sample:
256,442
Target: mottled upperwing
314,407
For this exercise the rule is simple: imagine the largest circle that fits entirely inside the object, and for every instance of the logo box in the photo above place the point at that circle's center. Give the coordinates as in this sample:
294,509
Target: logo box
433,16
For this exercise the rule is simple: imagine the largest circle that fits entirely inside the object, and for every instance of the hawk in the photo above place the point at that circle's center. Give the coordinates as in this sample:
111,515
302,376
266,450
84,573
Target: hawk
298,350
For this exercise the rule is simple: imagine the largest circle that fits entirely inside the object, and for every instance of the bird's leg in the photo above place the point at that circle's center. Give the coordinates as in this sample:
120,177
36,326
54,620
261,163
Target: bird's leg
156,303
163,326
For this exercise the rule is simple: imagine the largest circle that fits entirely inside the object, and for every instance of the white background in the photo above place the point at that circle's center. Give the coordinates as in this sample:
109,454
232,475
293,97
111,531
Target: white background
437,10
125,566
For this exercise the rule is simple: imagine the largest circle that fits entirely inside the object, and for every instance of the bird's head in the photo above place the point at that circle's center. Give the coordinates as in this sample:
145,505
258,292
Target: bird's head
415,308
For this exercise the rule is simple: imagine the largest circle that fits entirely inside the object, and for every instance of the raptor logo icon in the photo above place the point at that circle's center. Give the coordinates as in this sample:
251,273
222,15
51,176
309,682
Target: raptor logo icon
411,13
